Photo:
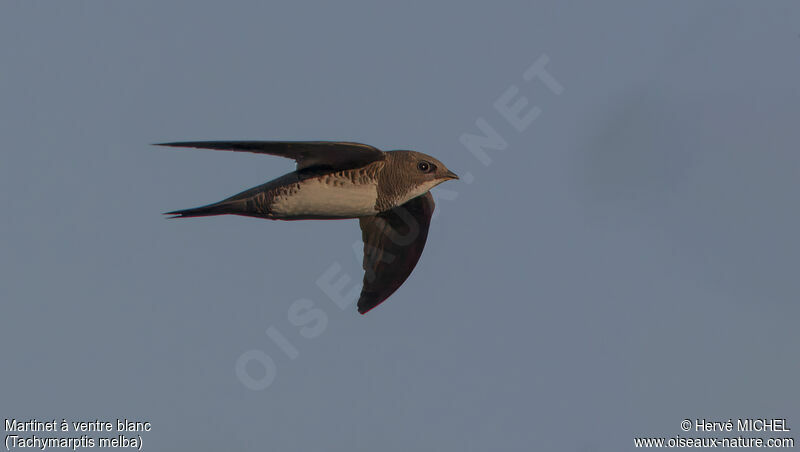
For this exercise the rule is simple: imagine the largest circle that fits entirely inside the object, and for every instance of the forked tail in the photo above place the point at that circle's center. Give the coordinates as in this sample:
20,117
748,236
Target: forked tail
220,208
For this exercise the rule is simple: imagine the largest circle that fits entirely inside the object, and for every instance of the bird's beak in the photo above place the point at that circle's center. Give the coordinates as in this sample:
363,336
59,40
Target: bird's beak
451,175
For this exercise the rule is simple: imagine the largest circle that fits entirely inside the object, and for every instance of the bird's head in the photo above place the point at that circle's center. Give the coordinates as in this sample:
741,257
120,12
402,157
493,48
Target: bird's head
417,172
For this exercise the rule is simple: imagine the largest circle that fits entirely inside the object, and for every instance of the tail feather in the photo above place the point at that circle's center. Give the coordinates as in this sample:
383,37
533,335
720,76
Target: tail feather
204,211
248,203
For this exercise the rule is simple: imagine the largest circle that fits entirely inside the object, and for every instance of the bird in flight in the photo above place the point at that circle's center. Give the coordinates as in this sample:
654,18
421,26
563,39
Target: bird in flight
387,191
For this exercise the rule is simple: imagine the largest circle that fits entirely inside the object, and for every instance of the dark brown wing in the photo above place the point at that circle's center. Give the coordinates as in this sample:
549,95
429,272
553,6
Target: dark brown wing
334,155
393,243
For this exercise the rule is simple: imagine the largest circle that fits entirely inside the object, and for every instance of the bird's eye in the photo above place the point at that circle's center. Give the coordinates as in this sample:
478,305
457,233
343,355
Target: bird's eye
424,166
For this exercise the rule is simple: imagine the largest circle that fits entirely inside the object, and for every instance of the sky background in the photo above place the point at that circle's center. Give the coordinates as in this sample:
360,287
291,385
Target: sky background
629,260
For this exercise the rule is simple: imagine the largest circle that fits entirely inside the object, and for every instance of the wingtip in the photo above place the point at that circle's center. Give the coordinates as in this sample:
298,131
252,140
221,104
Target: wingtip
363,311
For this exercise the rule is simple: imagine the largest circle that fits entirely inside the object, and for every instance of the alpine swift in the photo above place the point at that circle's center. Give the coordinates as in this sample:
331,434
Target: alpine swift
387,191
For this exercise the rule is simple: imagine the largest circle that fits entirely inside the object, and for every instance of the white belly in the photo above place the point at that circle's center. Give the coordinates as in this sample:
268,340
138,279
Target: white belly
315,198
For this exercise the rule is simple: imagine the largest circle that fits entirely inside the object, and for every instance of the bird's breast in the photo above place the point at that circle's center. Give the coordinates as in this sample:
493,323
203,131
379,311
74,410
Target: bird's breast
329,196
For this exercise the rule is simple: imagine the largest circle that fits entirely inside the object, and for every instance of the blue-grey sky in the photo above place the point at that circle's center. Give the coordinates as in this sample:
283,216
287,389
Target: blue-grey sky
630,259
